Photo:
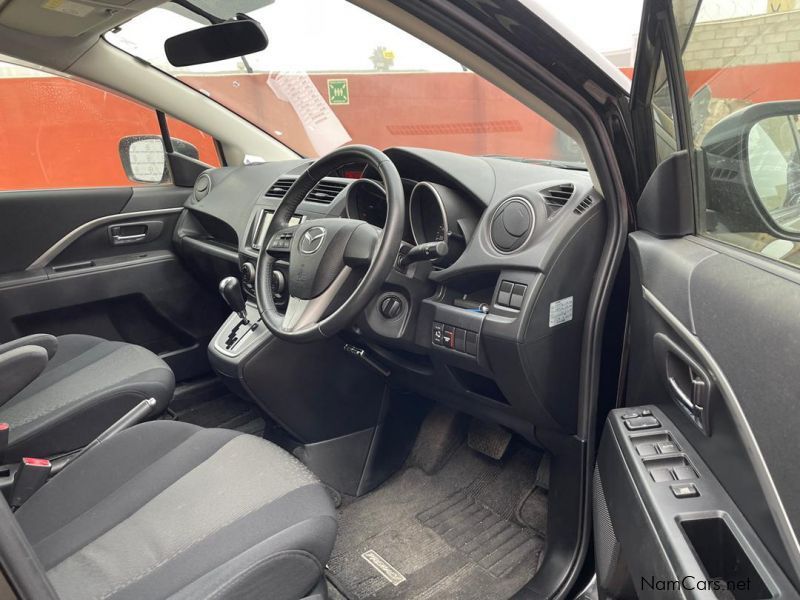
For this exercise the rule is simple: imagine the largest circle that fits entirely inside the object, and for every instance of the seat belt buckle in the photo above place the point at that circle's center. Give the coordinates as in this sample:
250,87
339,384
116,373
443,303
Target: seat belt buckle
4,431
30,476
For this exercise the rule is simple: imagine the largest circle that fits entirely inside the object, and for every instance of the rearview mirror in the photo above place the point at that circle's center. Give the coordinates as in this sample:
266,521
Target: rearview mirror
228,39
144,159
753,159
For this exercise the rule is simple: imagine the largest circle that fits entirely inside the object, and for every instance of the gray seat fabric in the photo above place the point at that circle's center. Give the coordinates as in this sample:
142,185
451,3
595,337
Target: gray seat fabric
171,510
87,385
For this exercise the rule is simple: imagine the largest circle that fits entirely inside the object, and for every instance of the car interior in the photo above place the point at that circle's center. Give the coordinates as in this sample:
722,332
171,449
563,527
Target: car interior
395,372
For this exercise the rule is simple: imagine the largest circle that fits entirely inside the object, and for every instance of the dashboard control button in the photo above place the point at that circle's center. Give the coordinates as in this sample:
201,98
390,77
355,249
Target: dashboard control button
391,307
248,272
438,329
684,490
638,423
504,295
460,340
278,282
472,343
517,295
449,336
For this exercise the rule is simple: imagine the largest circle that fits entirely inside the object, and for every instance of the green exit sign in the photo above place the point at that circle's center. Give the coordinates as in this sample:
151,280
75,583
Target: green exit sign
338,92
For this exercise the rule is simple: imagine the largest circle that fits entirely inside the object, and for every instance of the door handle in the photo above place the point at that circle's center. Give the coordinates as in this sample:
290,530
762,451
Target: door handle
134,232
117,238
687,381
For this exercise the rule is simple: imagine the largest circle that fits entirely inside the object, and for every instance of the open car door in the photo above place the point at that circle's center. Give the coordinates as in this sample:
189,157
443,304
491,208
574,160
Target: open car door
697,484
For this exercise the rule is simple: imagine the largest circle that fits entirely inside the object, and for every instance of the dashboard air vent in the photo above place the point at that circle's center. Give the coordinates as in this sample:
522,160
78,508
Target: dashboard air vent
512,224
583,206
201,187
279,188
557,196
325,191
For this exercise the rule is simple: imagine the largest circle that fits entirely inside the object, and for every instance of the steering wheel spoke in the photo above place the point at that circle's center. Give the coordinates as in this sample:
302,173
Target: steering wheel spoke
303,313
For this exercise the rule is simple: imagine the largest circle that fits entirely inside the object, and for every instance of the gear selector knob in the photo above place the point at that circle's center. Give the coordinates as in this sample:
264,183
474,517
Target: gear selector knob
231,291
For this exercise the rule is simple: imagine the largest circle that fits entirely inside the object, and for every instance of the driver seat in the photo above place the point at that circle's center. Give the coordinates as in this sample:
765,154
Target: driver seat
167,509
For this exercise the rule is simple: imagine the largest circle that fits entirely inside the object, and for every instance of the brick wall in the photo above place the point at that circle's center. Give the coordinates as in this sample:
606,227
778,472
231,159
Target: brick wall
765,39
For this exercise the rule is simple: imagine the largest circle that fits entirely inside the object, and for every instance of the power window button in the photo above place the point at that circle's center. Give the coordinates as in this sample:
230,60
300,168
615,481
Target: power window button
637,423
684,490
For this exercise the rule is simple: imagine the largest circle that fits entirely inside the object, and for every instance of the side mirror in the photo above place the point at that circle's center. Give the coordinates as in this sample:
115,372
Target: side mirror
144,159
229,39
753,166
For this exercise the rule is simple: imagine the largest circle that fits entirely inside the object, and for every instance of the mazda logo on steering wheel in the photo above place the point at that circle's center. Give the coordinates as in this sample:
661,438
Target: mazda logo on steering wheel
312,240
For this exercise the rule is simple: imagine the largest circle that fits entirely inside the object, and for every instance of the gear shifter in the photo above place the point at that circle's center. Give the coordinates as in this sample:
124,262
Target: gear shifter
231,291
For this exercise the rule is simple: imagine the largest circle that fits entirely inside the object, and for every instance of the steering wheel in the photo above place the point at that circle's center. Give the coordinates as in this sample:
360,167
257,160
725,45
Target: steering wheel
326,255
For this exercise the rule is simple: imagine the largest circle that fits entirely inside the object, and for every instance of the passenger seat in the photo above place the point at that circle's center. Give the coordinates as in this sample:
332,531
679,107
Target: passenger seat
58,393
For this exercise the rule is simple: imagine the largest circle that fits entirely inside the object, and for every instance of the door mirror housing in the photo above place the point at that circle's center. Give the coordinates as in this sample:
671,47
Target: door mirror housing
145,160
229,39
753,161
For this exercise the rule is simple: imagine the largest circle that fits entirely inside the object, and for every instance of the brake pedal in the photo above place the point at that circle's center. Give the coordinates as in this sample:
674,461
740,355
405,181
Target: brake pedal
488,439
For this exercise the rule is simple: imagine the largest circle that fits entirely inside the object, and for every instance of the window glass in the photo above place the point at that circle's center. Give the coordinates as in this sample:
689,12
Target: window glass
741,64
335,74
60,133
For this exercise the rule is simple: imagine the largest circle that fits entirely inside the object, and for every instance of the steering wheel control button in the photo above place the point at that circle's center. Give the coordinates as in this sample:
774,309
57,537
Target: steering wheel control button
391,307
438,330
639,423
684,490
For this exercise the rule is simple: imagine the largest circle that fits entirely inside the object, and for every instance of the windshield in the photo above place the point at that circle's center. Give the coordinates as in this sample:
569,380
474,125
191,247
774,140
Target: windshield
335,74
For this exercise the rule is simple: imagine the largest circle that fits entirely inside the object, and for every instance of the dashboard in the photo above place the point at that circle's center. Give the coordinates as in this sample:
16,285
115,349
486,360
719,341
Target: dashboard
494,327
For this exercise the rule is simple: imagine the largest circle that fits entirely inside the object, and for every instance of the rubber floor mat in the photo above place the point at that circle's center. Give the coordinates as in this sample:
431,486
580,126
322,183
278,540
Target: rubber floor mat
453,534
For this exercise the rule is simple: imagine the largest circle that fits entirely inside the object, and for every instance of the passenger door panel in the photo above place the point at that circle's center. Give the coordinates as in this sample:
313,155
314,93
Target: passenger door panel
102,263
704,302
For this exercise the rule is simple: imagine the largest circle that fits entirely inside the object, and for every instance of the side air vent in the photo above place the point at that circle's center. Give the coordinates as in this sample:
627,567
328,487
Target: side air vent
512,225
201,187
583,206
279,188
325,191
557,196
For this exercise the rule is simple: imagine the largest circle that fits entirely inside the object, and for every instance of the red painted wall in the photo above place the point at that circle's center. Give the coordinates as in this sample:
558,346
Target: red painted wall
58,133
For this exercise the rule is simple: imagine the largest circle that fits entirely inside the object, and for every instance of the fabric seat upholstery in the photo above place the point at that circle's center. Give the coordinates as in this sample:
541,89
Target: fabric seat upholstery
168,509
87,385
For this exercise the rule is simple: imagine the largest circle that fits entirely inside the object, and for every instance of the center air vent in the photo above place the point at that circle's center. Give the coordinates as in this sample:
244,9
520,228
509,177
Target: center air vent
512,224
279,188
326,191
557,196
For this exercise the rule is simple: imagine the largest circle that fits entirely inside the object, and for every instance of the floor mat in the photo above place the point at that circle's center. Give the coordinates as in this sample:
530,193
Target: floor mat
472,530
214,406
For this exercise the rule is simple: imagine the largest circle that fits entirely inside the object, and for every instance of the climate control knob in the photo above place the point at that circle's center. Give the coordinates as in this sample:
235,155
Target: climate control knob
248,273
278,283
